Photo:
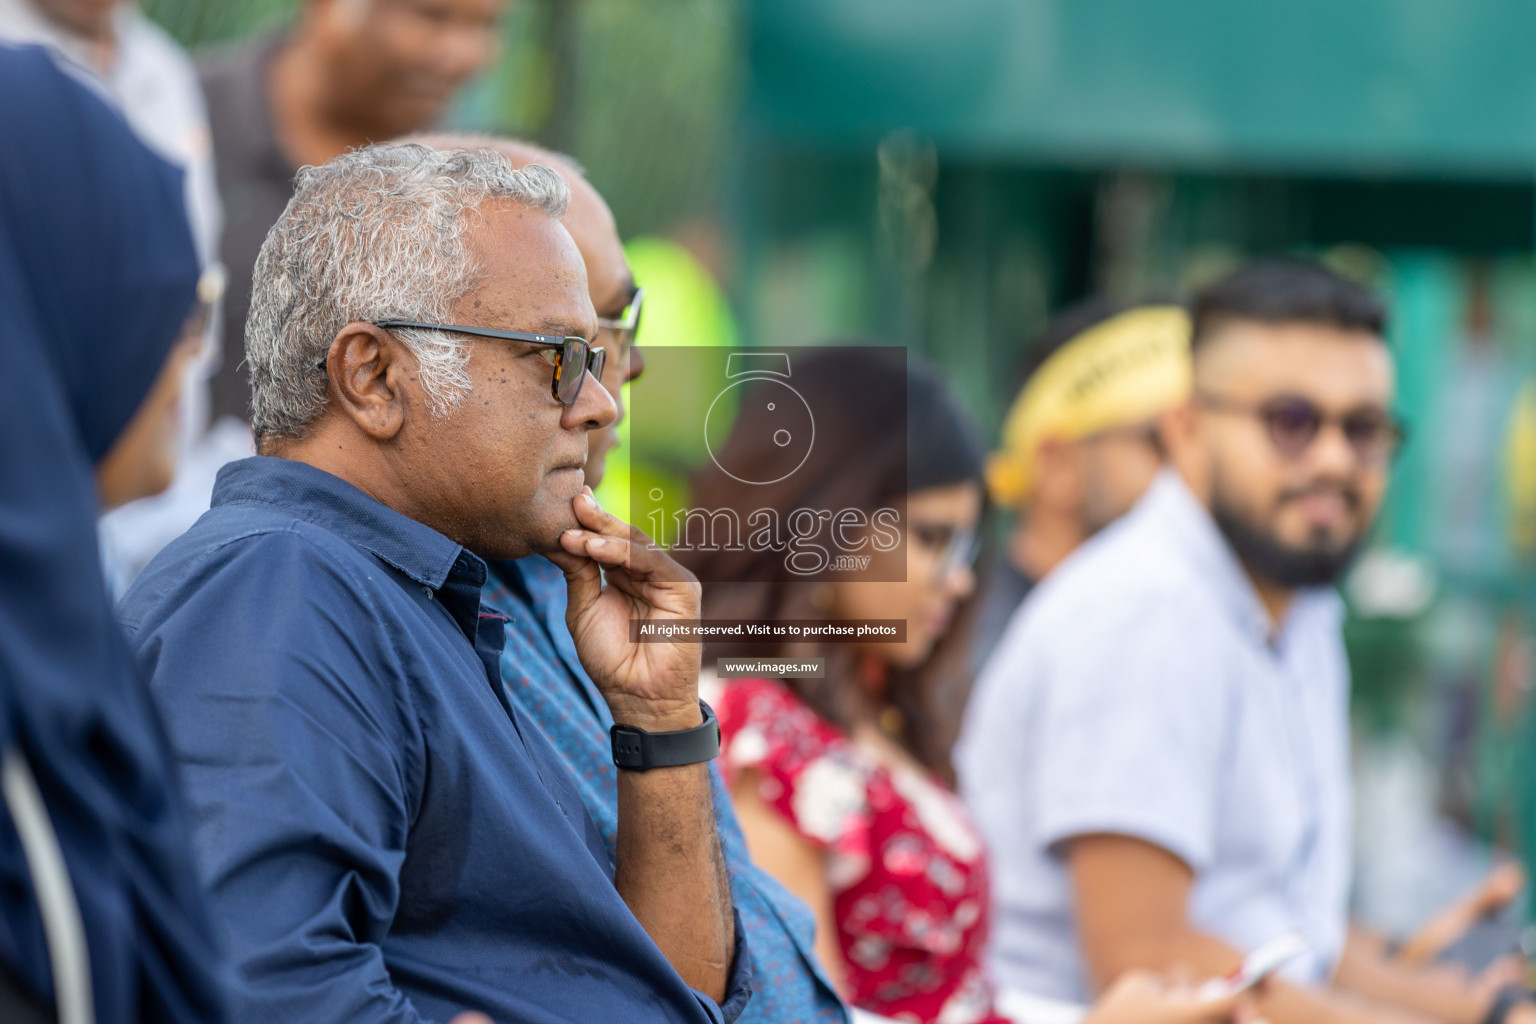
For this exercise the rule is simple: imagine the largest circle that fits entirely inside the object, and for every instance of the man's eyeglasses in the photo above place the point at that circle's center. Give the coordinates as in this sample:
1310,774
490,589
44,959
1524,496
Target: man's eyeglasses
626,325
627,322
1293,423
573,359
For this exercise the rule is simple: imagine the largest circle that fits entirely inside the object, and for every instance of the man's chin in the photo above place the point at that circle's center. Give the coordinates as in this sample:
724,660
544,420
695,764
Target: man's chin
1319,559
555,518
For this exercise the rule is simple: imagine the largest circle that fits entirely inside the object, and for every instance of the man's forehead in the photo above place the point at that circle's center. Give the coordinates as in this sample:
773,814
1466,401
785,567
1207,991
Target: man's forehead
1323,362
588,218
531,272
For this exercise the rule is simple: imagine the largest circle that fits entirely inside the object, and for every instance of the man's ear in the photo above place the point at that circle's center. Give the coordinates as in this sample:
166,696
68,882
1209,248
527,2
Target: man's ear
1179,430
369,371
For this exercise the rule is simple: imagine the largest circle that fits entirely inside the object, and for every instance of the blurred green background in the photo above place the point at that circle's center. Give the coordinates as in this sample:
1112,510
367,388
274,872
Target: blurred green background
948,173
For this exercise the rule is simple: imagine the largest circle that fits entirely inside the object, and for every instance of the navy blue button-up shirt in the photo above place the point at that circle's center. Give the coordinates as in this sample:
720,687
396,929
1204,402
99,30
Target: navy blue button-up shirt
385,840
546,682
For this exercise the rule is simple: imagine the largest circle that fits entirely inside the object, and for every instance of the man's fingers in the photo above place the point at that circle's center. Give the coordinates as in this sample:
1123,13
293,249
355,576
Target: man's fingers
601,548
1180,978
1506,970
635,554
1238,1006
594,517
583,579
1500,887
568,561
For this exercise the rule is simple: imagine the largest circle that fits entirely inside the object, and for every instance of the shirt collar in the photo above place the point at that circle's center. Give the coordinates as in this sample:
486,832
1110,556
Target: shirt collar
331,503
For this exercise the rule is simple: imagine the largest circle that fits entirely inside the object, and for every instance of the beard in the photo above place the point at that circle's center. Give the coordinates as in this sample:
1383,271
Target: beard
1319,562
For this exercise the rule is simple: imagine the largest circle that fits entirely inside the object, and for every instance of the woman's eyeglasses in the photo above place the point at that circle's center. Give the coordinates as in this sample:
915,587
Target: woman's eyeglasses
956,548
1293,423
574,358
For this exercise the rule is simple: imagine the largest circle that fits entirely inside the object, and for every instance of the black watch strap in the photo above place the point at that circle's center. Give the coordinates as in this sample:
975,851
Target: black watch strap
637,750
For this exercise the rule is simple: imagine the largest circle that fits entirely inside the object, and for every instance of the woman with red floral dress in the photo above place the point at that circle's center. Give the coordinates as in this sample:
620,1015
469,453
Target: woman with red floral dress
842,782
905,867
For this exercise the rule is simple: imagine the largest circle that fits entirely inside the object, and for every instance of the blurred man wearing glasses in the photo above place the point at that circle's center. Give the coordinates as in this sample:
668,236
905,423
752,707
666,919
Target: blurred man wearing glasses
544,676
1158,749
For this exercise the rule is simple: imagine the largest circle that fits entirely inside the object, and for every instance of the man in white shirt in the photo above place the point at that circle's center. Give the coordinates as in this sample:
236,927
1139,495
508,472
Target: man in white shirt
1158,749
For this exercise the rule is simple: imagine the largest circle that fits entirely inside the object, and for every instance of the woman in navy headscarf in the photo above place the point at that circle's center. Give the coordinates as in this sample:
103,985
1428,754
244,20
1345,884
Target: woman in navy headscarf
101,910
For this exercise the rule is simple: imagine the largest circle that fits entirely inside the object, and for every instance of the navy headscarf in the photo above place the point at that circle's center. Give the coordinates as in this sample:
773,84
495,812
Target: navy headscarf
97,274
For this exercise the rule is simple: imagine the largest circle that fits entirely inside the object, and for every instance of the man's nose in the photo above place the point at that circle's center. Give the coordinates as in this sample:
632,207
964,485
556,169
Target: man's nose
1331,452
593,409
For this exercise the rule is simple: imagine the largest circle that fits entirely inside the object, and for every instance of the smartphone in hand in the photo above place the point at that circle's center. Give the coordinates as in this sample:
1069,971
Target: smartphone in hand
1257,966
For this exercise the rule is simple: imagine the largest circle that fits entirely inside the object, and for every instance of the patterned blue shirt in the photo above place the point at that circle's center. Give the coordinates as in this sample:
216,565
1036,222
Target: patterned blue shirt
545,681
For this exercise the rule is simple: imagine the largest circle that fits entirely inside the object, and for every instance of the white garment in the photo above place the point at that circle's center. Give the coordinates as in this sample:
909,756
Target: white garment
1138,692
132,535
153,83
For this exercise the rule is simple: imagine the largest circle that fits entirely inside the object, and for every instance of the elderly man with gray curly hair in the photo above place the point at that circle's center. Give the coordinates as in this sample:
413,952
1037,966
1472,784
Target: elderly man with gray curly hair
385,839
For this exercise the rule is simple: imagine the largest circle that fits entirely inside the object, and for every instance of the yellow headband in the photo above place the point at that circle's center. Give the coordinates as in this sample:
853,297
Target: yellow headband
1121,372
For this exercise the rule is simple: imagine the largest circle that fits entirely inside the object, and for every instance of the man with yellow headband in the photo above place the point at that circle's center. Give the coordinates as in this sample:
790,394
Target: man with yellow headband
1080,445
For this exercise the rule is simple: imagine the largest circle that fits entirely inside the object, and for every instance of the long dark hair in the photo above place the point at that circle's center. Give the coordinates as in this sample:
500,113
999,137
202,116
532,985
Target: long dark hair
868,451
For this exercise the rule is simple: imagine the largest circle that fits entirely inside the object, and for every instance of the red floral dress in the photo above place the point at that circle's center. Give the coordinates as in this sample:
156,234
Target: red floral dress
907,868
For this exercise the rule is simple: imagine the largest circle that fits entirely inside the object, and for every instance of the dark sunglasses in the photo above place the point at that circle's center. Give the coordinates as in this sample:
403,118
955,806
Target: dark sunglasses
574,357
1293,423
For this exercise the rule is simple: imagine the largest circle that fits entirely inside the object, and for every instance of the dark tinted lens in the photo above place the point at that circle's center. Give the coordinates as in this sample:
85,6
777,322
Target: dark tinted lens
597,361
1372,434
571,372
1292,423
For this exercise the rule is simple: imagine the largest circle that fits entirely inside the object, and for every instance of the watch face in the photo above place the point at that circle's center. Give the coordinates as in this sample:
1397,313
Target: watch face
786,417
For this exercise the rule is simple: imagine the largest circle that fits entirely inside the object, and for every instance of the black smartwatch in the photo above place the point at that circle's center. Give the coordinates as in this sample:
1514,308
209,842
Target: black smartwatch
636,750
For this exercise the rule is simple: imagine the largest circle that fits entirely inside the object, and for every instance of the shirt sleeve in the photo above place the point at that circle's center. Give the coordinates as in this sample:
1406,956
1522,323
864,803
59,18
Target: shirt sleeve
1131,730
282,706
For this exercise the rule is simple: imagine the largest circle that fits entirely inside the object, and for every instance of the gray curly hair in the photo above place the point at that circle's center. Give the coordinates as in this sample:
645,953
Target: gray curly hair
379,233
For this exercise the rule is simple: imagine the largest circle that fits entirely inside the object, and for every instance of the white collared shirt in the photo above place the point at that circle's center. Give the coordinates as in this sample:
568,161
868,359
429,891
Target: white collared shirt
1138,691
